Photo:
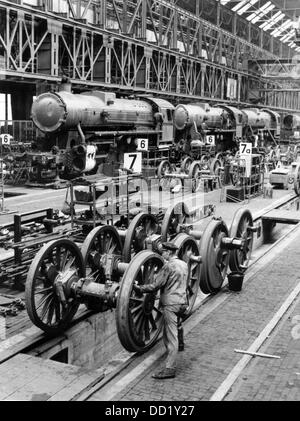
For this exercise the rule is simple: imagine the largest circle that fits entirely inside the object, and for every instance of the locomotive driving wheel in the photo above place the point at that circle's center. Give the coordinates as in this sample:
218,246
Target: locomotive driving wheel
174,216
215,166
101,244
185,164
187,247
139,318
194,176
221,158
204,161
214,257
163,168
57,263
241,227
141,227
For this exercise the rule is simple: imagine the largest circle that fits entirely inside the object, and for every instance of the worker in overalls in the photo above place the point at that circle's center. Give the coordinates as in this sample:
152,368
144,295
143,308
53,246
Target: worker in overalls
172,281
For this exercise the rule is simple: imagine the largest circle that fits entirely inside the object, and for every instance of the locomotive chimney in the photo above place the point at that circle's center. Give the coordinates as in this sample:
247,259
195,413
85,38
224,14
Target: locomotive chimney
65,84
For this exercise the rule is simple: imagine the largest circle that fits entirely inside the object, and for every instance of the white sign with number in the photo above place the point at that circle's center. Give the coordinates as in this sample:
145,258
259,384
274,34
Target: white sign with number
210,140
246,155
90,161
5,139
142,145
133,161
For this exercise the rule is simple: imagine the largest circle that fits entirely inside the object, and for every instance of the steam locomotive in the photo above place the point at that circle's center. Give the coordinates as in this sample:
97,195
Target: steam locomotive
96,128
91,131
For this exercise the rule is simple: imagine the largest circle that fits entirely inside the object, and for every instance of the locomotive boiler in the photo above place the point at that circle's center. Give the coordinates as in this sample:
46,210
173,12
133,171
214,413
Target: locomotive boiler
223,126
261,125
96,128
200,124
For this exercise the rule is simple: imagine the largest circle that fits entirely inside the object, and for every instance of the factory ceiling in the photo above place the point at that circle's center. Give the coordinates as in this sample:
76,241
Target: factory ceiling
280,18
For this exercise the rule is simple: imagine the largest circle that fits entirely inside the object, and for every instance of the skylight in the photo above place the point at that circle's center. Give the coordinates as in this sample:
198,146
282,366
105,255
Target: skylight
246,7
268,15
283,27
261,12
272,21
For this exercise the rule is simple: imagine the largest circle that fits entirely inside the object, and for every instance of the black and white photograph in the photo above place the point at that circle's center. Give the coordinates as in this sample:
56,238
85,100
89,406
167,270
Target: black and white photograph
149,203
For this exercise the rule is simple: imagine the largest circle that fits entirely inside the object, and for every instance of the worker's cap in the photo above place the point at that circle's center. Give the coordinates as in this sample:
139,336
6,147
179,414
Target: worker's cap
169,246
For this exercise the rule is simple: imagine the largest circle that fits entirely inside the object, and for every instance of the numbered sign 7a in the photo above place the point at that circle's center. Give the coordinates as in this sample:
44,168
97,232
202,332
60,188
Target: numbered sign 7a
245,148
5,139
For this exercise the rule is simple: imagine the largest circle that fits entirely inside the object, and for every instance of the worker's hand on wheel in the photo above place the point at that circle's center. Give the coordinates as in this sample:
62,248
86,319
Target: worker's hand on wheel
137,290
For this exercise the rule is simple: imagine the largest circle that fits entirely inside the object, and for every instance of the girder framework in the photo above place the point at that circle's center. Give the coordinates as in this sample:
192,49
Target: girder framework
135,46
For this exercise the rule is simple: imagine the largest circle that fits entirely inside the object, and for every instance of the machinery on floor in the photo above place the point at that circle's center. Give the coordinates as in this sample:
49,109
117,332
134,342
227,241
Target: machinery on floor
101,272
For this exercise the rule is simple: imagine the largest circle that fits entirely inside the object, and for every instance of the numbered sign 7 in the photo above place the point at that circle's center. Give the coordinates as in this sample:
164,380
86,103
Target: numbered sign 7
133,161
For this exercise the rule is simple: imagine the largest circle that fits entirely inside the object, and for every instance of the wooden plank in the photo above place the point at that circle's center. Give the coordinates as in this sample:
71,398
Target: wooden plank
33,335
82,385
10,378
27,378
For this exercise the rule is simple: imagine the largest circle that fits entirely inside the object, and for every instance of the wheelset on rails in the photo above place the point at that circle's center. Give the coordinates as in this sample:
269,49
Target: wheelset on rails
220,248
191,172
63,273
110,262
139,318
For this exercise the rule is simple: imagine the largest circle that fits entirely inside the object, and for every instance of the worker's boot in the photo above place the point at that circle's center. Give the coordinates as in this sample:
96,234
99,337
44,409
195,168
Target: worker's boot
166,373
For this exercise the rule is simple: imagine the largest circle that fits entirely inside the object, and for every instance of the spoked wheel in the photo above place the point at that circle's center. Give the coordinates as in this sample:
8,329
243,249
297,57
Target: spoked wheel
220,157
163,168
141,227
297,182
174,217
215,166
204,160
58,260
194,176
139,318
101,242
241,228
185,164
188,246
214,257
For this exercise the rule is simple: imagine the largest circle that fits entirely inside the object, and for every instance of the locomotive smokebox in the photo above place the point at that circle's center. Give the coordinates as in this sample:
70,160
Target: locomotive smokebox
48,112
187,115
291,122
180,117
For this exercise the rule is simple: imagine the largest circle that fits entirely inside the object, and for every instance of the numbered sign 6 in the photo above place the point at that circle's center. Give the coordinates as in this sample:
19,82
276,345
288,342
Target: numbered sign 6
5,139
142,145
133,161
210,140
